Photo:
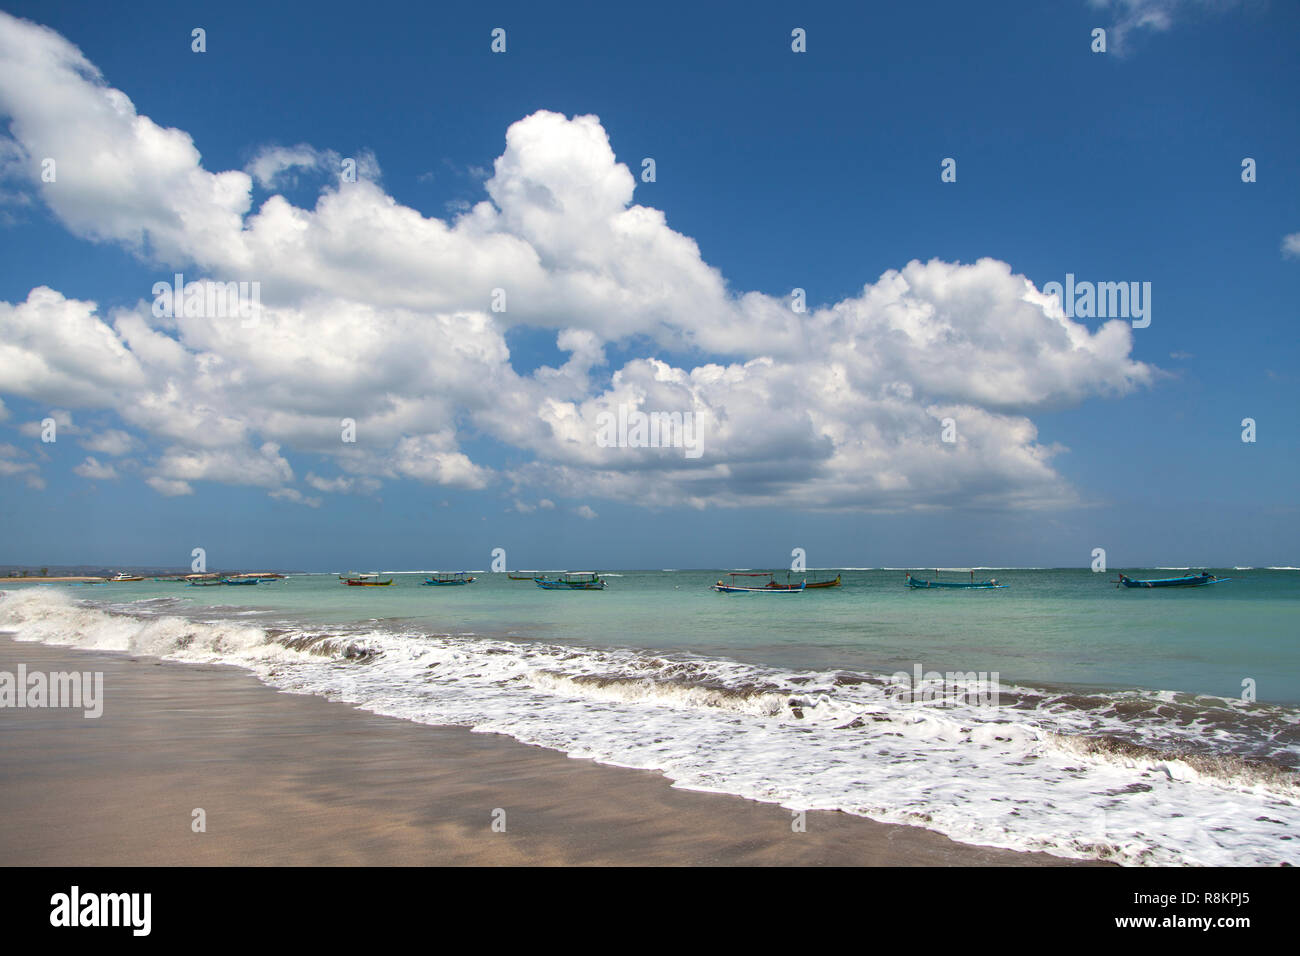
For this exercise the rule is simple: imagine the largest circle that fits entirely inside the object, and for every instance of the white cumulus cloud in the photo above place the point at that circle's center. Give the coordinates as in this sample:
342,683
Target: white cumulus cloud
375,314
93,469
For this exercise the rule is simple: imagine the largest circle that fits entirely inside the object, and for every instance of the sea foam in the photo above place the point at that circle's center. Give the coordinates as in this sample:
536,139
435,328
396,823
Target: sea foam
1060,773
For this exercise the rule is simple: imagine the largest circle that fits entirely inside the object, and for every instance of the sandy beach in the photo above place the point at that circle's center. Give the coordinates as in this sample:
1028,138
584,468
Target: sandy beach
297,780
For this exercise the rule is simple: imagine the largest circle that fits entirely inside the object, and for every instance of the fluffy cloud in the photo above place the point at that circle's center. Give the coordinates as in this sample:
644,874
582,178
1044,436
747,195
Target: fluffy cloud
168,487
112,441
262,467
296,496
377,344
1291,245
1155,15
63,425
278,166
119,175
344,485
58,350
14,464
93,469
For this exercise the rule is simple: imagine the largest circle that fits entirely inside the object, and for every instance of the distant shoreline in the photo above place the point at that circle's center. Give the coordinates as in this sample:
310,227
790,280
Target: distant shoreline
84,572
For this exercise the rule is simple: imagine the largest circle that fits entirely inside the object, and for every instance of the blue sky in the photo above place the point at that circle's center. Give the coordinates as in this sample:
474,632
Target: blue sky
817,170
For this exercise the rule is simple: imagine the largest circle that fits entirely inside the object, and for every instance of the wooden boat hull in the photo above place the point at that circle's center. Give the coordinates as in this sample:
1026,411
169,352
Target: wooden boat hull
1189,581
810,585
430,582
368,584
734,589
521,577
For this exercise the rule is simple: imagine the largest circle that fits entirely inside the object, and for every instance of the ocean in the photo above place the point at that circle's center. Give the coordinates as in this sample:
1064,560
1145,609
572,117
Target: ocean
1060,714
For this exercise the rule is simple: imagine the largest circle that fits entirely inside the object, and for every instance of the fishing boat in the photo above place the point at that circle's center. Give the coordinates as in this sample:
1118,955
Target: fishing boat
521,577
239,579
772,587
968,585
1186,581
823,584
204,581
123,576
367,581
449,580
573,581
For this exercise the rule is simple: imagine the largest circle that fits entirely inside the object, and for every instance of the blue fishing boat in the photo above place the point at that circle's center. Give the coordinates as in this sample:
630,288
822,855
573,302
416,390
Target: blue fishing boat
239,580
1186,581
449,580
972,584
573,581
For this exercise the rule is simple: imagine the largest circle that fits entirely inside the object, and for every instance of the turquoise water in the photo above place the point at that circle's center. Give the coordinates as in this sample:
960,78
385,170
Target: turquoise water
1078,718
1048,628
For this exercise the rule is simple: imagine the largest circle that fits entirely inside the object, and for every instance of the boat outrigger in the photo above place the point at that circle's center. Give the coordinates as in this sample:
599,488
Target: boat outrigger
449,580
573,581
770,588
1187,581
968,585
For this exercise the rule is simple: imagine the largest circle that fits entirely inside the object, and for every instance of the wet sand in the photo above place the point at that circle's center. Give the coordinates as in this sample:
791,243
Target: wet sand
296,780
